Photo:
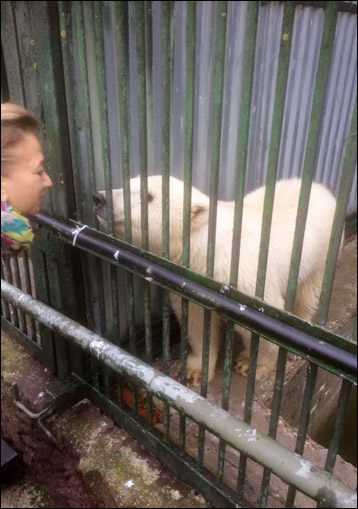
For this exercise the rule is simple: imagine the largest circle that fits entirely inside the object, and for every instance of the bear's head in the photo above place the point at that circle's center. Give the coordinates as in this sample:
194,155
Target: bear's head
199,212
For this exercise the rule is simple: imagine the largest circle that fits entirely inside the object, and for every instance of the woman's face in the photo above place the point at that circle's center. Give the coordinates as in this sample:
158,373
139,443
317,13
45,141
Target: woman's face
24,185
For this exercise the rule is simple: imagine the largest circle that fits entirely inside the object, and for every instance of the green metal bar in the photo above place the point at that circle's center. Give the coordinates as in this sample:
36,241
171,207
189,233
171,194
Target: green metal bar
290,467
122,70
277,124
99,20
148,24
67,27
47,339
5,303
9,44
16,271
166,43
275,414
138,13
248,75
51,99
56,290
8,277
188,174
311,155
100,106
220,46
338,425
349,166
216,132
243,140
29,290
229,342
311,378
25,46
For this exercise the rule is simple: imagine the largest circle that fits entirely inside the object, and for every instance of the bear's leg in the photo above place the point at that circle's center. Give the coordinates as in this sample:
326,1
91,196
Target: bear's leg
195,339
266,359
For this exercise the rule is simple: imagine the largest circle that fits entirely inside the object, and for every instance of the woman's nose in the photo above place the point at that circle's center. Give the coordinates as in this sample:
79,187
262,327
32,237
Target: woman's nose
47,181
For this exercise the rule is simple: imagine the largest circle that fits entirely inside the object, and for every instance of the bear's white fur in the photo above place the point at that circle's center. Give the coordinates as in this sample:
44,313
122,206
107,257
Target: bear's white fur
317,233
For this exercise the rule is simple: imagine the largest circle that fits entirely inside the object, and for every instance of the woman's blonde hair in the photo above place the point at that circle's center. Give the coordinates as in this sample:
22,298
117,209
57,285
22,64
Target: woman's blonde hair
16,122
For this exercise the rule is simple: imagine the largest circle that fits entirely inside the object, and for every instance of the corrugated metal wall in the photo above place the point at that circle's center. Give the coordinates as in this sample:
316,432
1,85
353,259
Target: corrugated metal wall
306,45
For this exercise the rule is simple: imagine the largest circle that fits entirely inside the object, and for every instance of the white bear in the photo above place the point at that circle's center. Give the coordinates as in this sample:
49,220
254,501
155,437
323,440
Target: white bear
316,239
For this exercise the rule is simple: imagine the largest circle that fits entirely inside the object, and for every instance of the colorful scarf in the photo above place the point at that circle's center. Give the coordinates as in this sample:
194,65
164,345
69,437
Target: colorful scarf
16,231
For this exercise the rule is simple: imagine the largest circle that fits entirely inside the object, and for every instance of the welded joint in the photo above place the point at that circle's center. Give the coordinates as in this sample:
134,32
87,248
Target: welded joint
36,416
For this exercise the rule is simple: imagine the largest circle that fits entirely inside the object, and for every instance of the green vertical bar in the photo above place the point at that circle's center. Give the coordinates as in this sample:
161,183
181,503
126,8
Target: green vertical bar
101,106
139,23
29,290
311,155
247,82
166,70
311,377
149,116
44,23
100,19
216,132
81,105
5,303
338,425
8,277
139,14
277,123
16,271
275,414
345,187
166,42
188,173
67,27
11,53
220,41
122,69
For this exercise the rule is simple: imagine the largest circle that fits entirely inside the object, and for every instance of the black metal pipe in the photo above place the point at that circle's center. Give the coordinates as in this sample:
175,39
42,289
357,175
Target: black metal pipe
241,314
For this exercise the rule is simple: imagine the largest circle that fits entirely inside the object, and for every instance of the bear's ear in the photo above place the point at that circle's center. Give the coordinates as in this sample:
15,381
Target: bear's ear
150,197
197,214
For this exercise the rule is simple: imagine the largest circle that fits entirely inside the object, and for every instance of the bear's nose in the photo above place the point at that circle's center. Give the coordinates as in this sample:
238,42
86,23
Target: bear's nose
99,199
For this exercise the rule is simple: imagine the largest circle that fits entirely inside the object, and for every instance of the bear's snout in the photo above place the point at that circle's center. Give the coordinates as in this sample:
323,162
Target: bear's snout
99,200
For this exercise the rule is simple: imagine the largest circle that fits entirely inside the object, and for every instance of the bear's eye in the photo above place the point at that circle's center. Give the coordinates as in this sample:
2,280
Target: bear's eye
150,197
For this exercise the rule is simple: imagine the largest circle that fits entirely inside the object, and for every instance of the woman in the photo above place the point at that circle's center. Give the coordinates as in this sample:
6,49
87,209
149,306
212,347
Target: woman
23,178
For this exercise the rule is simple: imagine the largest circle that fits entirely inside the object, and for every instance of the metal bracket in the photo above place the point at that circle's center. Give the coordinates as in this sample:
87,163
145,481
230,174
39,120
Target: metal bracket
64,393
